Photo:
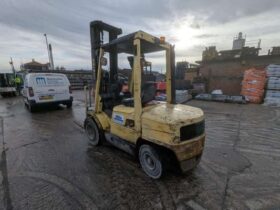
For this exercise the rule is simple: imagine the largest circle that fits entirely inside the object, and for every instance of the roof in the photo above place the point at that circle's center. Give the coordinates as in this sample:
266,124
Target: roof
84,72
244,58
45,74
5,71
124,44
34,63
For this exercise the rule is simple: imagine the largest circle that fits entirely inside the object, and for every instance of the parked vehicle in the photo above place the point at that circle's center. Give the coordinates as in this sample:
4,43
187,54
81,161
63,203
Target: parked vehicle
7,85
46,89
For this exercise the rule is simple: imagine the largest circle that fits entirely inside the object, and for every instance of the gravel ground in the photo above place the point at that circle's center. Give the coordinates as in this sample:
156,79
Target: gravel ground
47,163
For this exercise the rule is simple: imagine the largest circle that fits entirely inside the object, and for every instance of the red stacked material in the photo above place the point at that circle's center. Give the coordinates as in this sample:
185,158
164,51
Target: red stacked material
161,86
253,85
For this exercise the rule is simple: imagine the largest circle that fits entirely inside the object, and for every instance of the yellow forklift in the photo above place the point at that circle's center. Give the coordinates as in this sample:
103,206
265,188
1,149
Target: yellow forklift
158,134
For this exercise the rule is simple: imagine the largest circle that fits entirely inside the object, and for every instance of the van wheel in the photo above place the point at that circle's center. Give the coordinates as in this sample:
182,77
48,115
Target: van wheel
31,108
150,161
93,132
69,105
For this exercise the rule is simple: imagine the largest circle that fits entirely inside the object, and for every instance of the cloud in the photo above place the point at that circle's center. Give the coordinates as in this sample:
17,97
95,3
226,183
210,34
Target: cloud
190,25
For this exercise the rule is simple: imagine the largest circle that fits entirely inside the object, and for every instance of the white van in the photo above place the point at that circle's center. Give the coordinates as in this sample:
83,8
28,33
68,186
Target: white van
46,88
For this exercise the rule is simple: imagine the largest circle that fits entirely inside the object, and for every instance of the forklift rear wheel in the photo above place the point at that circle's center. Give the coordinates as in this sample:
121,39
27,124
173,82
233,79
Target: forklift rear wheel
92,132
150,161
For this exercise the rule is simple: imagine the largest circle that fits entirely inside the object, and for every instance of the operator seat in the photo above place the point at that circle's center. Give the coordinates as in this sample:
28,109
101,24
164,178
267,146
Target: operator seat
148,92
147,95
112,97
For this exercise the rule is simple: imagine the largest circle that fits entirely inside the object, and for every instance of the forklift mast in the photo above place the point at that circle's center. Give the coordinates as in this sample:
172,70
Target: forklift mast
97,29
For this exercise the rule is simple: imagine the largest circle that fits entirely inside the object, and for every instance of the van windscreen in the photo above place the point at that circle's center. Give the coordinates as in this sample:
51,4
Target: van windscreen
49,81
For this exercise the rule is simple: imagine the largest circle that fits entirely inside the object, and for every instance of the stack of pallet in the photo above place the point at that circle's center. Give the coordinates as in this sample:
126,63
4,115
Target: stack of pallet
272,94
253,85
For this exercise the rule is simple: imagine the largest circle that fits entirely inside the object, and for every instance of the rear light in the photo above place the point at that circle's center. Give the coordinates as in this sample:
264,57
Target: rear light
30,91
70,89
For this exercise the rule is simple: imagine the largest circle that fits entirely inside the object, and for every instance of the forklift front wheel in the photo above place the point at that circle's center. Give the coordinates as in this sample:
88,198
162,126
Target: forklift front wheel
92,132
150,161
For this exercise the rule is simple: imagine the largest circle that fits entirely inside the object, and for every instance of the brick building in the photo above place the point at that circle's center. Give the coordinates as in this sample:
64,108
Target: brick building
34,65
227,74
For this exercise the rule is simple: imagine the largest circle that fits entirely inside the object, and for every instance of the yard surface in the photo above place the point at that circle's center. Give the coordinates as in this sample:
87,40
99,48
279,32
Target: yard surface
46,163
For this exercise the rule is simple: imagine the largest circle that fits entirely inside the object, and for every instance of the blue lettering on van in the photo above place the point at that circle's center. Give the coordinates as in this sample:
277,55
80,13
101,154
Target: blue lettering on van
55,81
40,81
118,118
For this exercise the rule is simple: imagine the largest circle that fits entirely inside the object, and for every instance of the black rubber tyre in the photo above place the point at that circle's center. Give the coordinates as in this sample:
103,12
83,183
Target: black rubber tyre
69,105
31,108
93,132
150,161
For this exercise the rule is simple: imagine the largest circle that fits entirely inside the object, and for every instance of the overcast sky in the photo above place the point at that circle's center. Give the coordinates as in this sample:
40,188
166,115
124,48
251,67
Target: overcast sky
189,24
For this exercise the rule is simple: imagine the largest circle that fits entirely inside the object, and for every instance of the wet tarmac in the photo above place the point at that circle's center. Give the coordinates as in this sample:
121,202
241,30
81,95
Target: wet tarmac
46,163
